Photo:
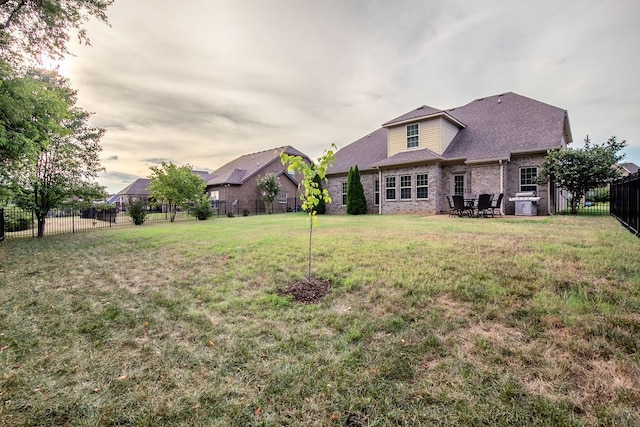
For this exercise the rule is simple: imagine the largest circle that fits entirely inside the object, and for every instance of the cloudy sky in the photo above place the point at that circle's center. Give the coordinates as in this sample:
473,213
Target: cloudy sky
202,82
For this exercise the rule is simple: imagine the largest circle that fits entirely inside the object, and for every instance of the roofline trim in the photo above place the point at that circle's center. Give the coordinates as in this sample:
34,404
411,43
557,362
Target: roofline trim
428,116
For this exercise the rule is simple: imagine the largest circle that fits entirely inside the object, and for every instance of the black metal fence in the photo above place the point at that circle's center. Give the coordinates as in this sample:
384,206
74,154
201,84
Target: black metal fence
625,202
16,222
22,223
234,208
596,202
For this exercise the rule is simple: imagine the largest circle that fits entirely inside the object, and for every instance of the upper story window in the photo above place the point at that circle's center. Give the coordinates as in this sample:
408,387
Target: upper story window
529,179
413,132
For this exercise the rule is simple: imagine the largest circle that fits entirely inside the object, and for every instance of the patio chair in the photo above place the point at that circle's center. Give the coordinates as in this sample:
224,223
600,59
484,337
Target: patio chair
460,207
452,210
496,207
484,205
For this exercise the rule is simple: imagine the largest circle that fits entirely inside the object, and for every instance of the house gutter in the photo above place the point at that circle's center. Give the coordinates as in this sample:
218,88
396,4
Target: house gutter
380,190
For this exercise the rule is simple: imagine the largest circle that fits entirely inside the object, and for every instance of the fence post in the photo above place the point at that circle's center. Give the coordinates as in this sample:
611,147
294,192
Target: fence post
1,224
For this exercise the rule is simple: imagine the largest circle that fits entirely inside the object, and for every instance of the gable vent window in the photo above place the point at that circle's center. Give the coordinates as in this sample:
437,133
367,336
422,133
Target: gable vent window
412,135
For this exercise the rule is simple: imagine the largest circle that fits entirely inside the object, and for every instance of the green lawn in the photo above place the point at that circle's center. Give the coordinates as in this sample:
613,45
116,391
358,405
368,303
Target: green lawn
430,321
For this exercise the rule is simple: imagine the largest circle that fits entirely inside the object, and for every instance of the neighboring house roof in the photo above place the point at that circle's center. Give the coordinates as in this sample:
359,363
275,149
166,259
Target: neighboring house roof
631,168
203,174
238,171
136,188
491,128
139,187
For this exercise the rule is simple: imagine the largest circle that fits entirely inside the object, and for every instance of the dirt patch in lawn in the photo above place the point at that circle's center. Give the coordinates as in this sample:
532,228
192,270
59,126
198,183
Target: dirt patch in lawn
307,291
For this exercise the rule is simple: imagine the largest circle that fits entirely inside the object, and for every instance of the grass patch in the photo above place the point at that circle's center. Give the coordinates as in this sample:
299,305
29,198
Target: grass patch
429,321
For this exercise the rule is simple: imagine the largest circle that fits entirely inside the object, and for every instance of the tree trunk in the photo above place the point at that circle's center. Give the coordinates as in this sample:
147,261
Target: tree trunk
41,220
310,233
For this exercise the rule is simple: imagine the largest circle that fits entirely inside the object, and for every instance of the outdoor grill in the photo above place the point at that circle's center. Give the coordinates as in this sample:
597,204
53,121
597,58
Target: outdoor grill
526,203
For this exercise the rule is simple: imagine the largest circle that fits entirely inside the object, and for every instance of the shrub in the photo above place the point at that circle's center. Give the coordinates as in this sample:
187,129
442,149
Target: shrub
245,212
17,219
201,209
137,211
356,201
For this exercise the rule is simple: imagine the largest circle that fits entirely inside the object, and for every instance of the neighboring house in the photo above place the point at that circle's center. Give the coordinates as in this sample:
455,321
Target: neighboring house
138,190
491,145
628,168
237,181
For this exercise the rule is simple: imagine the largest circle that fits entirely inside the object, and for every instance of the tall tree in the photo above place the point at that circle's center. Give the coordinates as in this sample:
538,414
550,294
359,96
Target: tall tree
579,170
67,164
33,109
30,29
312,191
269,188
356,202
177,186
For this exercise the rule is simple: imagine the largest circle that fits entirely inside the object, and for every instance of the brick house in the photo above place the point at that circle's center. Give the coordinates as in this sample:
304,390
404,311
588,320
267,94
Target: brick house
138,190
491,145
235,183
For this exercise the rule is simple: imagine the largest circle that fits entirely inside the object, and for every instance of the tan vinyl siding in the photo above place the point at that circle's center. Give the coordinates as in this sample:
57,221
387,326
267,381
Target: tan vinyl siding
449,131
435,134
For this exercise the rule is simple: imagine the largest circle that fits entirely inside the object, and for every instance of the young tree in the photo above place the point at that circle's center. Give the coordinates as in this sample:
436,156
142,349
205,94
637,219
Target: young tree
67,165
312,191
356,202
36,28
269,188
175,185
579,170
322,205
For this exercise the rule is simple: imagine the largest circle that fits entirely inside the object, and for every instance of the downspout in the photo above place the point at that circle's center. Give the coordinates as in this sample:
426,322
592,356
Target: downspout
379,190
549,192
502,189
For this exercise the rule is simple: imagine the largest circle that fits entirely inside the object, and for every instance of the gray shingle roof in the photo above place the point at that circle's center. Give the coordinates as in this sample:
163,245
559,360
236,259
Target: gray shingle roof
136,188
408,157
500,125
492,128
364,152
421,111
239,170
630,167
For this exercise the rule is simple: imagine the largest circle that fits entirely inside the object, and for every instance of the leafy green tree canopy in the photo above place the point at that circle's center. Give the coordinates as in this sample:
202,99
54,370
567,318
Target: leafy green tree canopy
33,28
578,170
269,188
34,108
67,164
313,192
175,185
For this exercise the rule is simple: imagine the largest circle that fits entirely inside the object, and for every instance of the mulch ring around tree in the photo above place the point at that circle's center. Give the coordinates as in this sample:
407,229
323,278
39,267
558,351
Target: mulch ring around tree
307,291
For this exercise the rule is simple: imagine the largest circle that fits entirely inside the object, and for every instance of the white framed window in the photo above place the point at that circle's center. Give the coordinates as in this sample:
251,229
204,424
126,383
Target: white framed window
422,186
344,194
283,198
390,187
376,192
405,187
529,179
413,135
